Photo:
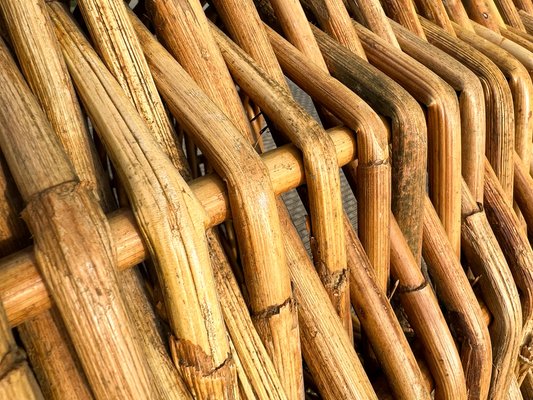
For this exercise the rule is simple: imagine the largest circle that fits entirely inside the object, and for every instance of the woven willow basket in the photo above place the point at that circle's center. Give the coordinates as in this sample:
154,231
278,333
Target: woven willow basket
223,199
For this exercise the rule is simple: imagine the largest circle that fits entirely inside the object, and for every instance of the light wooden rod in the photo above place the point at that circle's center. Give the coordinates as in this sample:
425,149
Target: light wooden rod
21,287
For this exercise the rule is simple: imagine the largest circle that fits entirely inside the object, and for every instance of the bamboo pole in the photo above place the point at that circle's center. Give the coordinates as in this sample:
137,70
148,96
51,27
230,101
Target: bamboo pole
435,11
264,262
31,33
263,383
176,22
521,39
524,5
457,13
198,342
512,240
57,203
421,306
373,164
17,380
404,13
168,383
323,370
296,28
523,192
509,14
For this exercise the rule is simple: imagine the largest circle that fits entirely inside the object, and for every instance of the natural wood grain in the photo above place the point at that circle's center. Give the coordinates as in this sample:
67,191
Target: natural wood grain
319,161
43,66
371,15
408,132
17,380
22,289
258,233
115,40
486,259
61,214
498,100
444,127
169,215
464,314
471,103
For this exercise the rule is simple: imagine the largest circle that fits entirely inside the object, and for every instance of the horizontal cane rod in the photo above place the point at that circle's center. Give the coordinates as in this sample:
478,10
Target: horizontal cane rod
408,131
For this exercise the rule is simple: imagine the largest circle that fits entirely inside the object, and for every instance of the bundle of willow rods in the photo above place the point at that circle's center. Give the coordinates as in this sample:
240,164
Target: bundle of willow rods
146,251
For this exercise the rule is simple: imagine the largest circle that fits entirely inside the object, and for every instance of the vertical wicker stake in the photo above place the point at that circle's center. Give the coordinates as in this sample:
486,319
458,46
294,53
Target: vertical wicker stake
61,215
16,379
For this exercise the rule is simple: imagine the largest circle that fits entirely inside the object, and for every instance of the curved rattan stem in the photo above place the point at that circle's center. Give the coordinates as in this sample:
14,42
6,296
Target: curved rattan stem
61,214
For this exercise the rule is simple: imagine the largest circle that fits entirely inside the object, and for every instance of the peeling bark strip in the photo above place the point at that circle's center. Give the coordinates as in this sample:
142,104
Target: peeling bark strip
16,378
74,250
